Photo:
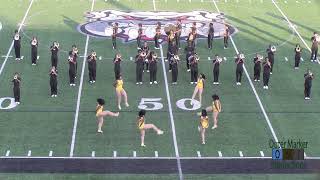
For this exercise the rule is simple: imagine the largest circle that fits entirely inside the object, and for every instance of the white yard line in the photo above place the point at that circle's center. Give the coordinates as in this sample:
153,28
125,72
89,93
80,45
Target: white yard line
19,29
252,86
174,136
76,117
293,27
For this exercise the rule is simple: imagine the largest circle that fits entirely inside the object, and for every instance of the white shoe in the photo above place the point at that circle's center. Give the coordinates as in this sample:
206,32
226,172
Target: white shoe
74,84
199,128
150,82
142,145
191,82
100,131
119,107
258,80
270,72
137,83
170,70
140,83
311,60
239,83
296,67
203,142
166,60
217,83
148,71
17,102
155,82
90,82
188,70
160,132
70,84
255,80
52,95
55,95
93,81
127,105
33,64
214,127
267,87
156,48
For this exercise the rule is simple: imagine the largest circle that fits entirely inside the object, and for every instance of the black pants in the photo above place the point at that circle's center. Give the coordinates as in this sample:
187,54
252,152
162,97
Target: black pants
174,73
215,75
307,91
257,71
266,77
72,73
225,41
192,43
178,41
139,72
17,51
114,42
271,64
156,41
139,42
210,40
53,86
54,61
146,64
297,60
239,75
194,74
34,55
92,72
153,72
314,54
16,94
187,61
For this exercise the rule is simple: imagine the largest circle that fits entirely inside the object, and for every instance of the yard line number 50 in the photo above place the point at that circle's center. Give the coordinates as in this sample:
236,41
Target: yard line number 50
153,104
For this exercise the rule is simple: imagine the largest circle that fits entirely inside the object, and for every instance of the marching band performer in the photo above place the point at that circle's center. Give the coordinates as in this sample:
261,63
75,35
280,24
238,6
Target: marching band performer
315,39
142,126
139,66
194,59
146,49
73,54
271,50
117,65
157,35
257,67
171,38
192,35
174,64
210,35
172,50
34,50
297,56
203,125
139,36
266,73
178,33
100,114
308,77
239,61
199,88
92,66
114,35
17,44
189,49
153,59
216,66
120,92
16,87
54,54
53,81
226,35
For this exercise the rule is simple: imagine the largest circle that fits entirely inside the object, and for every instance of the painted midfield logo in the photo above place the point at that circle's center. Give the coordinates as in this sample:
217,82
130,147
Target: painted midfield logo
100,24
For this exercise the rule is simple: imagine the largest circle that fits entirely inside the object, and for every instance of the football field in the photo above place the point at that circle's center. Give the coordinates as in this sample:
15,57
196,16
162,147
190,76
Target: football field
64,128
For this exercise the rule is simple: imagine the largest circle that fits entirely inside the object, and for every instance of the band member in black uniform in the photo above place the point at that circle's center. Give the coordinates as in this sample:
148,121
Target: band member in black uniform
216,66
189,51
308,77
210,35
54,54
239,70
314,48
271,50
74,53
53,81
139,66
172,50
92,66
194,59
17,44
114,35
117,65
72,65
226,35
257,67
16,87
192,35
146,49
178,33
139,36
174,62
34,50
297,56
153,59
266,73
157,35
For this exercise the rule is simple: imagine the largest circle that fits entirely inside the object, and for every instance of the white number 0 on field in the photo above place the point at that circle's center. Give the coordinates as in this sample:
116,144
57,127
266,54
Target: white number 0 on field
152,104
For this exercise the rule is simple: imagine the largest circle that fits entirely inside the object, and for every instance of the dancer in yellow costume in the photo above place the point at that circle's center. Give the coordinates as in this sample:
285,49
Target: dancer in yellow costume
203,125
100,113
120,92
199,88
142,126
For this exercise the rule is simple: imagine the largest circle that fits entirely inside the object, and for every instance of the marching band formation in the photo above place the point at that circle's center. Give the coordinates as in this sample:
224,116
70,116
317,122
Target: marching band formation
146,60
